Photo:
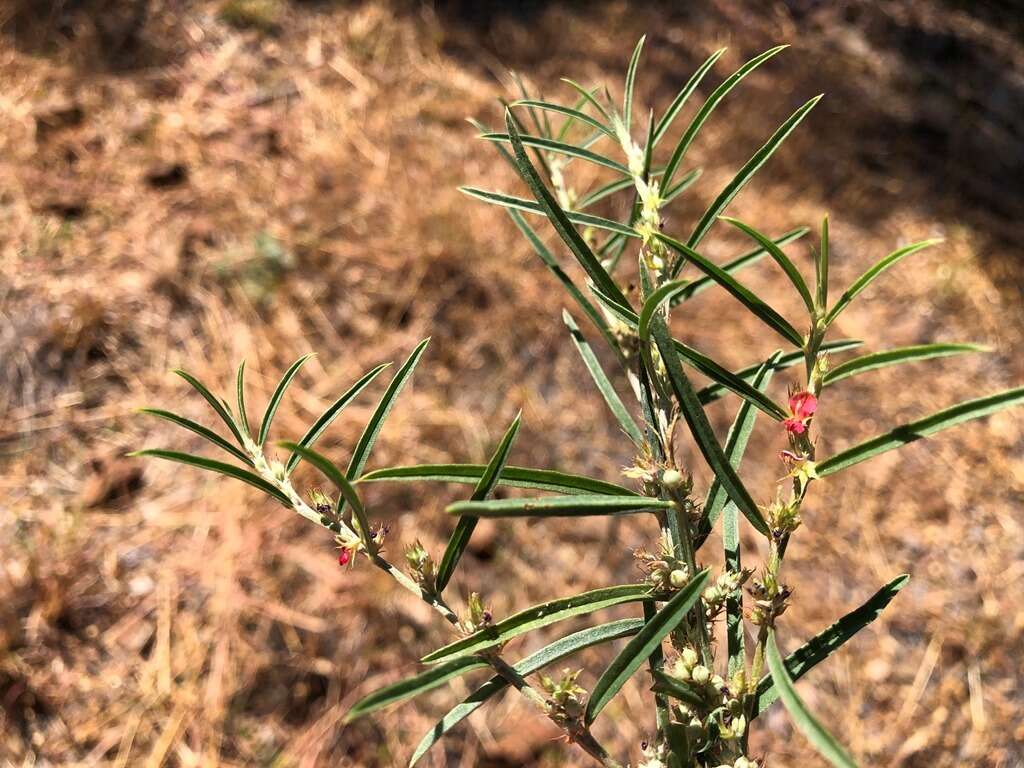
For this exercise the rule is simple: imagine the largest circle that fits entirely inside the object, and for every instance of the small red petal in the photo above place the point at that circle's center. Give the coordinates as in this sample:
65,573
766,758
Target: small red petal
796,426
344,557
803,404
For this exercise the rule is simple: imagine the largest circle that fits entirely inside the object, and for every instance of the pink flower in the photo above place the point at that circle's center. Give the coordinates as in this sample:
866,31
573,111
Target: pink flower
795,426
344,557
802,405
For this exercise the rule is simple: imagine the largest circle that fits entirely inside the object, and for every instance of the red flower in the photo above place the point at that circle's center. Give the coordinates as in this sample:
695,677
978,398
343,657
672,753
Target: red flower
344,557
802,405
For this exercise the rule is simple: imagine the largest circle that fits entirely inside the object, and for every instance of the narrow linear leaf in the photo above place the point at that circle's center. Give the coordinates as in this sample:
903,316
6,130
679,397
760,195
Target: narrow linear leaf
464,528
915,430
828,641
746,173
561,223
627,99
214,402
642,645
780,258
200,430
540,616
567,124
885,358
875,271
220,467
821,267
587,96
243,417
669,686
713,392
740,292
542,129
558,147
681,98
604,386
275,399
815,732
709,106
514,477
745,260
570,112
547,655
361,454
411,687
559,506
602,192
348,492
521,204
703,434
332,412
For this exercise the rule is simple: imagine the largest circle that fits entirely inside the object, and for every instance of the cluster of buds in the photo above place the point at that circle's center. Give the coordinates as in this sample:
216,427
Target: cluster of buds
716,595
741,762
731,721
664,572
349,547
771,598
802,406
479,615
783,517
688,669
565,697
422,566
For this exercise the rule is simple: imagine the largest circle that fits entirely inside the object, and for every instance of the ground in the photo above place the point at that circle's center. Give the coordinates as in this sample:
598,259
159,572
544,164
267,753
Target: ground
191,183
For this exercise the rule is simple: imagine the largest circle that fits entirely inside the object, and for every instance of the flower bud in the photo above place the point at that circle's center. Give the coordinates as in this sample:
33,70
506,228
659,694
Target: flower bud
672,479
678,578
689,657
701,674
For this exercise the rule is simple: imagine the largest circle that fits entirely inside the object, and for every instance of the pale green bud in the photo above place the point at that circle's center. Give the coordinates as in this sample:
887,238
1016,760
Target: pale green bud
701,674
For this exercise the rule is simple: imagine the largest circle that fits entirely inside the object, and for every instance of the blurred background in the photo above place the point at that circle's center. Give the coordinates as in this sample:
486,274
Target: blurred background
191,182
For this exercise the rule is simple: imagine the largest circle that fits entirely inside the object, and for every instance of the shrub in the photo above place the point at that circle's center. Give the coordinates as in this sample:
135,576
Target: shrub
705,697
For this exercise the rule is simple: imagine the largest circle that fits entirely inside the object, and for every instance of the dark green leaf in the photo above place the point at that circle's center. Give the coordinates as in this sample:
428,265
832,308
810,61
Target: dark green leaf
680,100
243,417
821,267
539,616
515,477
464,528
825,643
575,114
559,147
780,258
200,430
627,101
328,416
521,204
815,732
642,645
896,356
744,295
427,680
217,466
915,430
215,403
559,506
866,279
669,686
549,654
275,399
604,386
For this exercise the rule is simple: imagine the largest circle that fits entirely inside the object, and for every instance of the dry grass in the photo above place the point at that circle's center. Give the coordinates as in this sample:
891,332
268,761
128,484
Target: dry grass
238,192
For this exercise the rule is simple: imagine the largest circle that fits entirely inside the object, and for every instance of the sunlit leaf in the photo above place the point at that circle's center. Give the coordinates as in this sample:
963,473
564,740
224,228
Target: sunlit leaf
217,405
558,506
514,477
200,430
522,204
559,147
780,258
681,98
428,680
575,114
627,101
220,467
887,357
275,399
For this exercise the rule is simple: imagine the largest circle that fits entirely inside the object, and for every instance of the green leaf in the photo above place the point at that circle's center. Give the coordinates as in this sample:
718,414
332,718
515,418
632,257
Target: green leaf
744,295
464,528
915,430
559,506
275,399
570,112
746,173
825,643
544,130
200,430
514,477
627,100
701,362
669,686
558,147
750,257
348,492
604,386
217,405
780,258
681,98
703,434
587,96
217,466
521,204
561,223
601,193
642,645
887,357
868,277
547,655
243,417
540,616
815,732
713,392
821,267
328,416
709,106
414,686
